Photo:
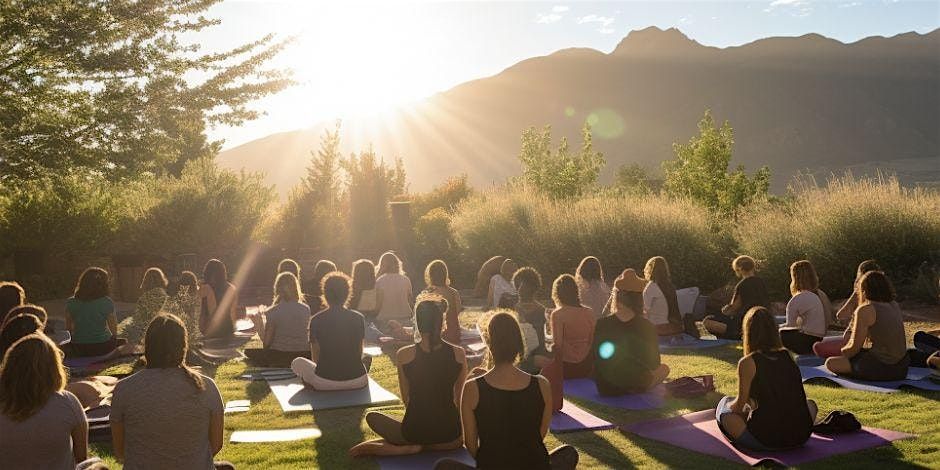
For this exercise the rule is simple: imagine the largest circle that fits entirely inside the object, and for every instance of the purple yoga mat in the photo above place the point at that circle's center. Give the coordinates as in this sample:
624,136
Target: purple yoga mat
423,460
685,341
699,432
587,390
571,418
916,378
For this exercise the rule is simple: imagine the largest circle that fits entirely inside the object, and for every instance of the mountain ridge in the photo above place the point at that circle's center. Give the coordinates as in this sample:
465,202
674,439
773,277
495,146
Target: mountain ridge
795,103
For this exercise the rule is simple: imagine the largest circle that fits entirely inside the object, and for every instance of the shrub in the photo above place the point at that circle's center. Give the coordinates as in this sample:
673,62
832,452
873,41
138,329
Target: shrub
839,225
446,196
559,173
624,231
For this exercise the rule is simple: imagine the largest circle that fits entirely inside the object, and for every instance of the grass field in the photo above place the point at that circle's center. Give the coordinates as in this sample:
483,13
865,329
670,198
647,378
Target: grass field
913,412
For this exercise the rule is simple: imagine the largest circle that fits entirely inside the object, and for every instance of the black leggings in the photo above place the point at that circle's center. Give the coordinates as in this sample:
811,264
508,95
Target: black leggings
798,342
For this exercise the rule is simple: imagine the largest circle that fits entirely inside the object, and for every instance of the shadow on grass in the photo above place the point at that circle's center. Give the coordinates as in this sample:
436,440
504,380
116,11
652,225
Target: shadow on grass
342,428
257,390
600,449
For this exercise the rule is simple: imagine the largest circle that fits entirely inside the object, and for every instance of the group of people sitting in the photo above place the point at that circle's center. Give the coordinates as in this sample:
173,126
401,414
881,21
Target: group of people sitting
169,415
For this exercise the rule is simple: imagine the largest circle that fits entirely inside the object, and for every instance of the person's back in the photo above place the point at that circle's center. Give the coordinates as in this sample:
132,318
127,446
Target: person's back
166,419
808,308
432,416
339,332
781,418
395,292
43,440
289,320
577,325
90,319
594,295
627,354
888,338
508,423
654,304
753,293
533,313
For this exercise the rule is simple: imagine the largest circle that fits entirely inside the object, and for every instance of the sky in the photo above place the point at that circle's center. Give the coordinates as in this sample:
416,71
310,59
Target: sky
356,58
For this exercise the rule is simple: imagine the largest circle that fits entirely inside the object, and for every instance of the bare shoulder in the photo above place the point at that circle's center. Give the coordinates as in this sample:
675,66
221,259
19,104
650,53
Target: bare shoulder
406,354
459,354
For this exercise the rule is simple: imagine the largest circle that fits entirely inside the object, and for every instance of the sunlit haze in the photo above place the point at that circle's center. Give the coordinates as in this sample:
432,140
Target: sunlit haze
353,59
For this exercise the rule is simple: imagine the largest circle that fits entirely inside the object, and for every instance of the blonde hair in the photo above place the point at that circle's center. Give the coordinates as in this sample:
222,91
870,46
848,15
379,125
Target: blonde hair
803,277
30,373
153,278
287,287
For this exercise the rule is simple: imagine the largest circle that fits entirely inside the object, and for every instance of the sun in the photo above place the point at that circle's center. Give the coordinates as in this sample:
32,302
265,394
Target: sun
361,59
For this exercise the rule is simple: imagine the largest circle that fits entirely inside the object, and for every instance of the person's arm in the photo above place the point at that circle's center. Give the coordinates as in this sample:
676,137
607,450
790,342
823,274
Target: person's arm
269,331
461,357
546,390
735,303
793,314
410,297
79,433
489,296
648,299
558,335
216,427
405,356
117,440
69,323
379,297
314,344
848,308
747,369
112,324
864,318
233,305
468,403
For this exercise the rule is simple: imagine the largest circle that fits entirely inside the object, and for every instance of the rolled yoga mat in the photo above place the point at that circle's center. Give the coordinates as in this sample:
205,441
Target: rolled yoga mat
699,432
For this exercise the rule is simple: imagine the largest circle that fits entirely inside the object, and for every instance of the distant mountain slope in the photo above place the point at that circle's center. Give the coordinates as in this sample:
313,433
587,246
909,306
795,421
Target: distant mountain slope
794,103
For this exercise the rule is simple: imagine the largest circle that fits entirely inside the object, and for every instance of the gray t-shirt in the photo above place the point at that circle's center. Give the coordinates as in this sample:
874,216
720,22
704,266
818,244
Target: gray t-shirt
44,440
166,419
289,320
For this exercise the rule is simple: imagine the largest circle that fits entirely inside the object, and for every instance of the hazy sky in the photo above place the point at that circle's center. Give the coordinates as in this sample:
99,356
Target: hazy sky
353,58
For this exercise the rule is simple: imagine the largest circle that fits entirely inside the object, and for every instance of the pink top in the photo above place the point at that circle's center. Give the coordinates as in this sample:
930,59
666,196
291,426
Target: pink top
573,332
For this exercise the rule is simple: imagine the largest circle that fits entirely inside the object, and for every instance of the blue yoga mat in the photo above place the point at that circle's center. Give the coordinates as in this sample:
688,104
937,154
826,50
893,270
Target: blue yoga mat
917,377
423,460
587,390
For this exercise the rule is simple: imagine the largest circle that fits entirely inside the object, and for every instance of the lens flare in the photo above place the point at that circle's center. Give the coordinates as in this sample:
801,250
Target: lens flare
606,350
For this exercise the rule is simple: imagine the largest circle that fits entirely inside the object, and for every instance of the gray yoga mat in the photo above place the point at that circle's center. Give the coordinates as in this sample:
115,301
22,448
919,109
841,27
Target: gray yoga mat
917,377
293,396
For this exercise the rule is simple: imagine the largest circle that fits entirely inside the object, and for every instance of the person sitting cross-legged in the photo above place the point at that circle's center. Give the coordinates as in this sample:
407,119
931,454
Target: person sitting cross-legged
771,410
285,326
506,412
626,345
336,338
431,374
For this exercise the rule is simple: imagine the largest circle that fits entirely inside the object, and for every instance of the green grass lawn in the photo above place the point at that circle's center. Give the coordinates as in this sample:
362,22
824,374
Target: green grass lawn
913,412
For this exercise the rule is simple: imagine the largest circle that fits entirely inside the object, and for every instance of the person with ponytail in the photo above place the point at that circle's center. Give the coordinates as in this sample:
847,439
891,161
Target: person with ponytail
218,300
41,424
167,415
431,374
771,411
505,412
285,326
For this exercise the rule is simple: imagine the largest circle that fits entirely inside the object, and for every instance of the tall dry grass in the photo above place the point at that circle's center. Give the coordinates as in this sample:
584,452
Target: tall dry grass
623,231
839,224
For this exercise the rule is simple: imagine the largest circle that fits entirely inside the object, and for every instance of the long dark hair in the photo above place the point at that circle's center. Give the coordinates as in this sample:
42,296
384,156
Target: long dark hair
313,285
527,282
216,276
166,345
153,278
11,295
436,274
657,270
92,284
590,270
760,331
503,338
565,292
363,279
429,318
18,325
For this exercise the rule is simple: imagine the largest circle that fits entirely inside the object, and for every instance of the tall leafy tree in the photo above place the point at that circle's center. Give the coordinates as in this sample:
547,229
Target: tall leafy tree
559,173
119,86
370,184
700,171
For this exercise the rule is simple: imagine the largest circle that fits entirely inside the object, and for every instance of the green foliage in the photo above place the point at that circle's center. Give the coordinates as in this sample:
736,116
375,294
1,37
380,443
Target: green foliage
623,231
370,185
311,217
559,173
109,85
632,179
839,225
700,171
206,208
58,214
445,196
432,233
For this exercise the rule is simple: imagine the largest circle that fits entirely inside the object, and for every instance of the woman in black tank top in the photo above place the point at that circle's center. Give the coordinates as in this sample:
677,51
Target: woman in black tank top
771,410
506,411
430,374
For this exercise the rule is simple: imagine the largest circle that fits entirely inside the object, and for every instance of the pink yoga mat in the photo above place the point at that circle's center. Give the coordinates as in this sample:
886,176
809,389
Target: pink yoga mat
699,432
587,390
571,418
